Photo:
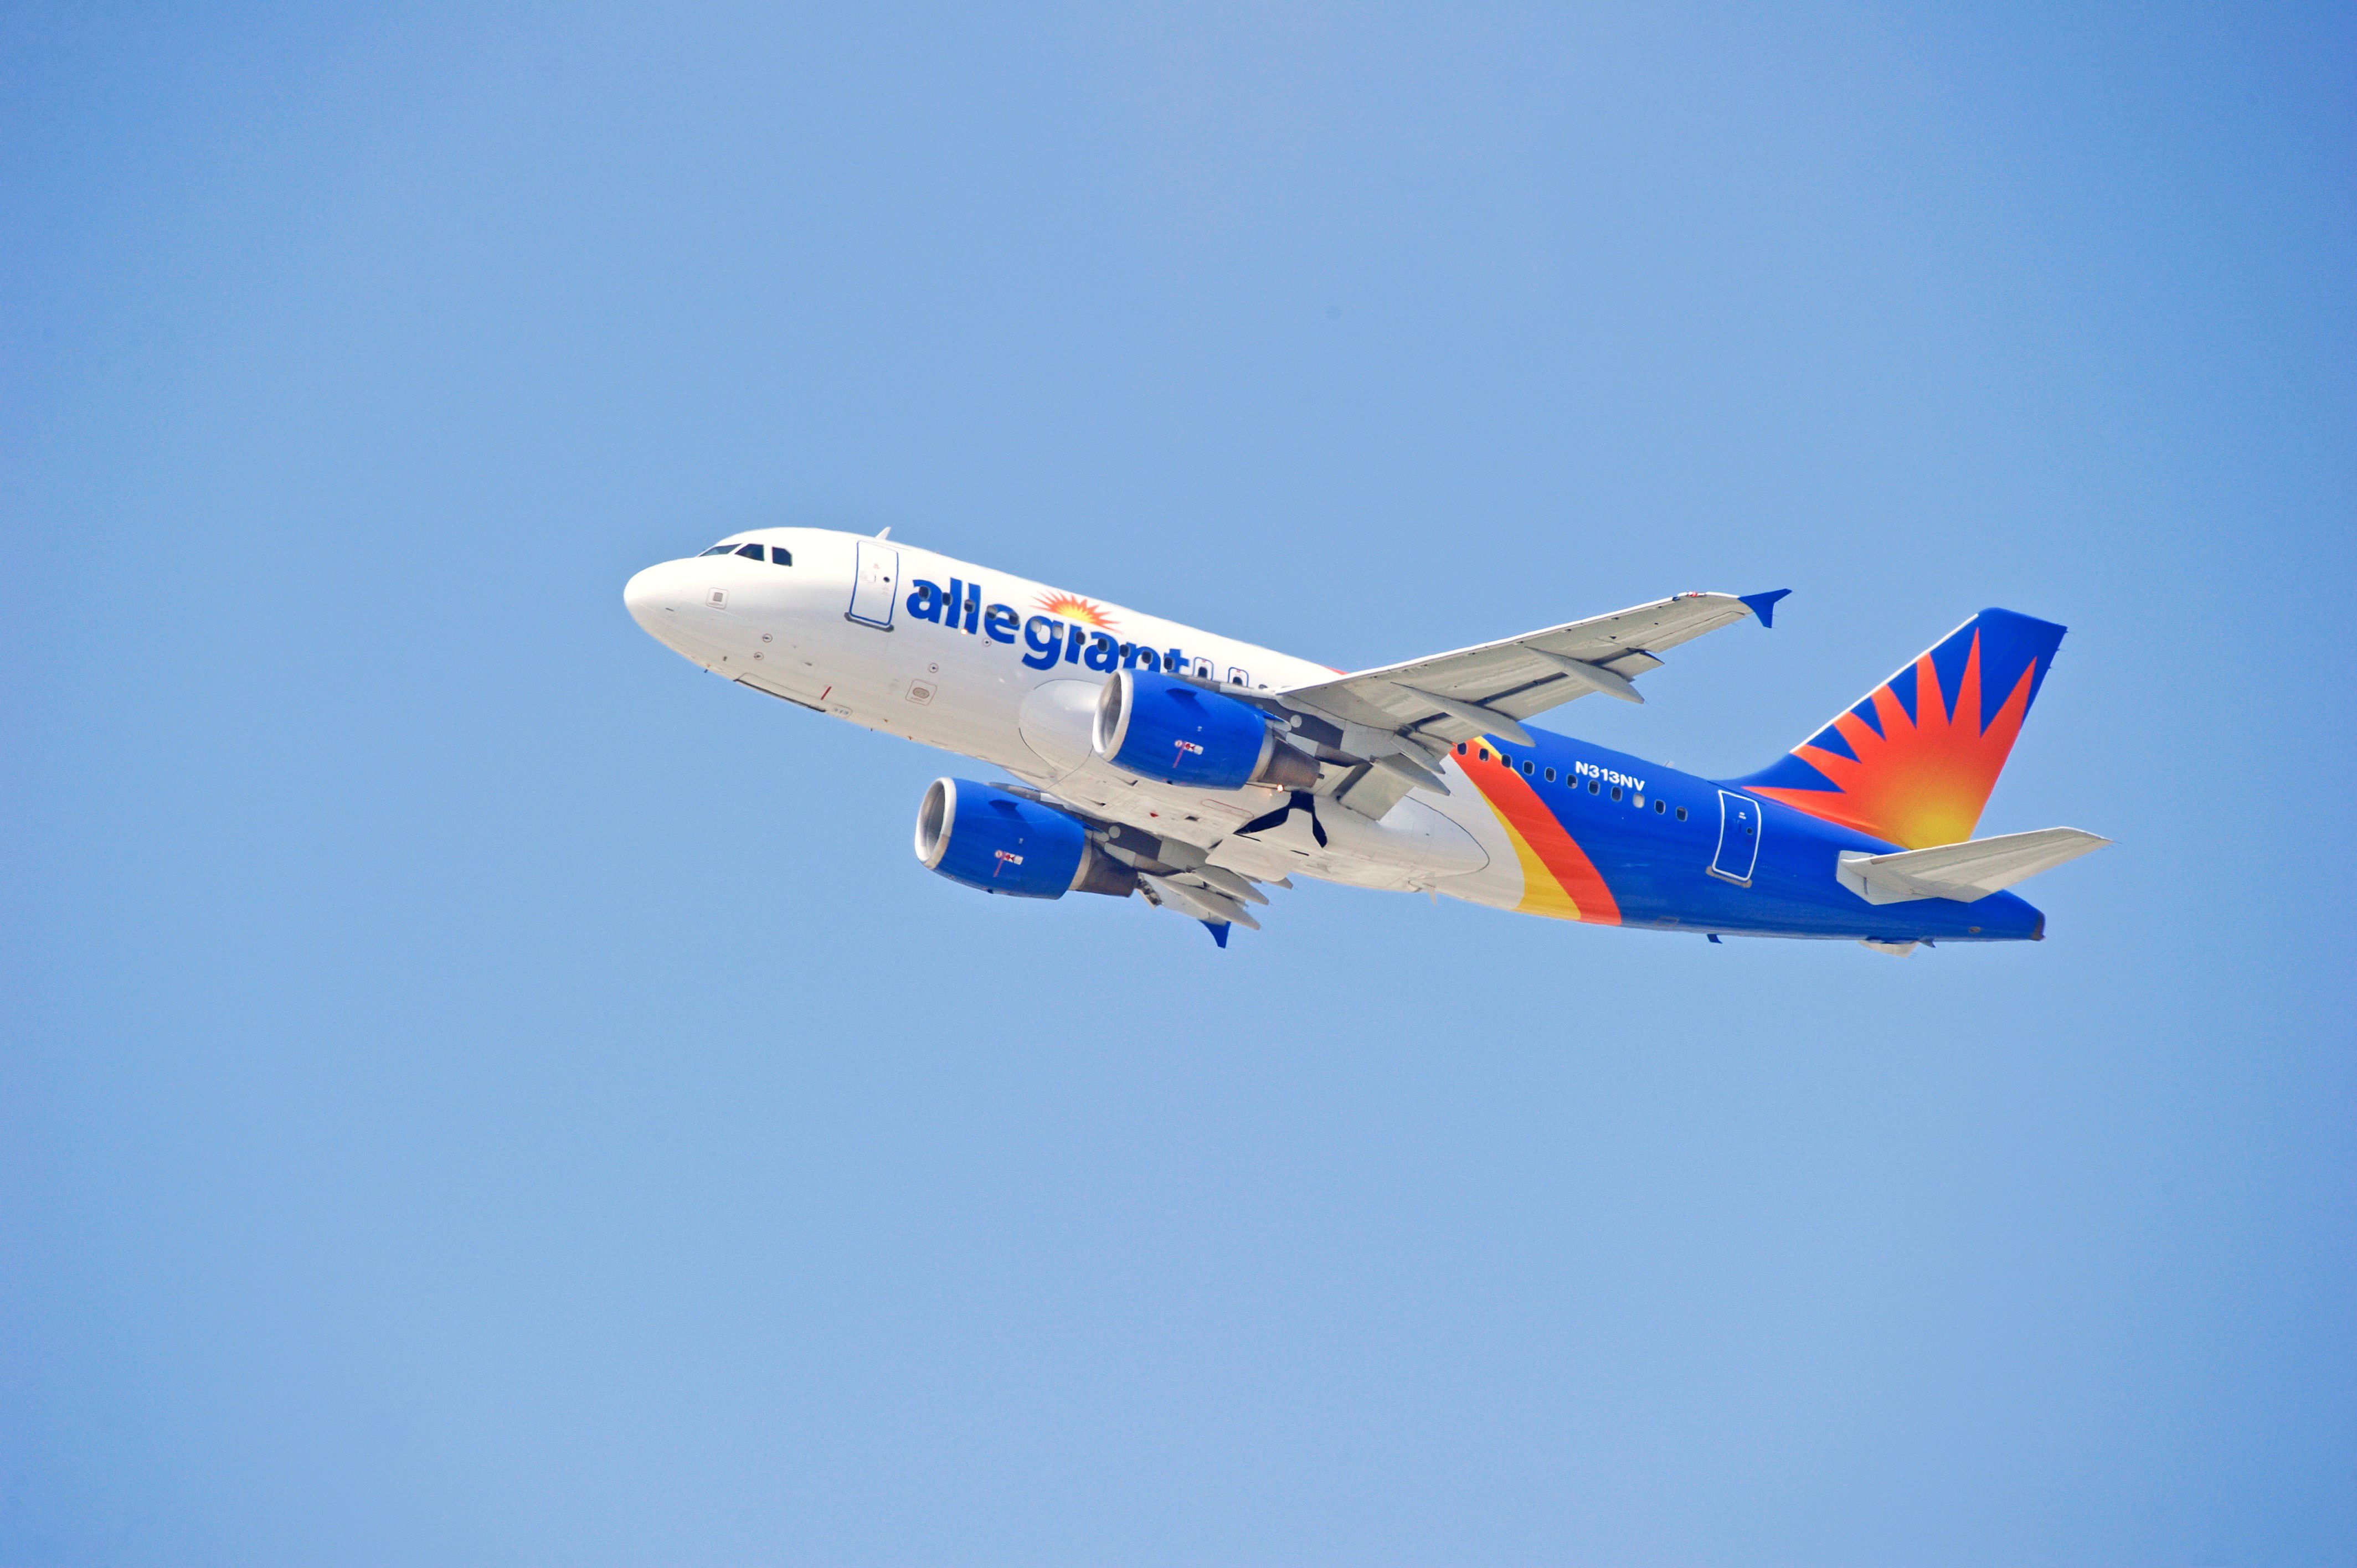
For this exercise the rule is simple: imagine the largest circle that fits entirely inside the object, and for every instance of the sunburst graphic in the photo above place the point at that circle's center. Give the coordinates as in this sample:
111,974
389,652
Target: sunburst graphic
1073,607
1923,780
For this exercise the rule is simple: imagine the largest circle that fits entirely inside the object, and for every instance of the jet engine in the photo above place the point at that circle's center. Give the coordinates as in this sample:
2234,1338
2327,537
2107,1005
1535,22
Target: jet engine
1158,726
995,840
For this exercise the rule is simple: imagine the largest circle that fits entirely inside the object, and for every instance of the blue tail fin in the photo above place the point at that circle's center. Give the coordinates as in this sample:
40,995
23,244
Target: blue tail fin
1913,761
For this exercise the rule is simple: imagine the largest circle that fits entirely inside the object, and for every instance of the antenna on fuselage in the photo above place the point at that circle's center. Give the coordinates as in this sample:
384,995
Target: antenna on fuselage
884,533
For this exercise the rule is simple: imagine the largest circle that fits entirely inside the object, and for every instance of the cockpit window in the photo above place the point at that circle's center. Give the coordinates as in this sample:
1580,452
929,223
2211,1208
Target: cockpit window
777,553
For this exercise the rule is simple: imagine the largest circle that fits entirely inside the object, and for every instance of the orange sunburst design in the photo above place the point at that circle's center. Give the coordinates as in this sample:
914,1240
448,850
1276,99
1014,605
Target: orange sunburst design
1922,781
1071,607
1559,880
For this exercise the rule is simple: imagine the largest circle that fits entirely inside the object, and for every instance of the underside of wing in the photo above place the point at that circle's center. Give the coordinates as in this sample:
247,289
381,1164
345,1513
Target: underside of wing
1519,676
1173,873
1400,719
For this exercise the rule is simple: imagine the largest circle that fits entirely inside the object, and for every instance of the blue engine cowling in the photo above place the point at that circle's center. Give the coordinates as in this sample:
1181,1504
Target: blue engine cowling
1158,726
1002,843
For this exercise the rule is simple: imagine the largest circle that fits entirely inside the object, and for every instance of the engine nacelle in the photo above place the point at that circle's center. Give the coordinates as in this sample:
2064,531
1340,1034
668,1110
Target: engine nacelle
1001,842
1158,726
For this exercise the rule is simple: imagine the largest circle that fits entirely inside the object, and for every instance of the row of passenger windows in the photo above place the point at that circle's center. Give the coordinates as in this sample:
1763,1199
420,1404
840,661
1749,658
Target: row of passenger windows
776,552
1531,771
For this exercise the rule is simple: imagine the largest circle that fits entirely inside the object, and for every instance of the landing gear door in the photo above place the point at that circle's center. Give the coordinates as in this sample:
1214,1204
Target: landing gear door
874,587
1739,837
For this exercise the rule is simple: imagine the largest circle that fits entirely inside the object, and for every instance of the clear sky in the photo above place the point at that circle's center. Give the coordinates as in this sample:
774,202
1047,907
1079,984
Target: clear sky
478,1090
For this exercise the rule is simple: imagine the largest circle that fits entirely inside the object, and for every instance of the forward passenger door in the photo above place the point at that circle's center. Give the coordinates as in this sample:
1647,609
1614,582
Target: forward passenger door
874,585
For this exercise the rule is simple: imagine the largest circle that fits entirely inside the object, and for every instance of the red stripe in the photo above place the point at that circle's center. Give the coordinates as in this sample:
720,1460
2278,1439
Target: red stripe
1520,804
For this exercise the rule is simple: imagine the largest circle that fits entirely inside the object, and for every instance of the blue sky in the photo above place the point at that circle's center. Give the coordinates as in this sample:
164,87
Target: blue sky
478,1090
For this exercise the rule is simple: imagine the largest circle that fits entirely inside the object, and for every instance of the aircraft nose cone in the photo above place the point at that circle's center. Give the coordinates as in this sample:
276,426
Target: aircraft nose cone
648,595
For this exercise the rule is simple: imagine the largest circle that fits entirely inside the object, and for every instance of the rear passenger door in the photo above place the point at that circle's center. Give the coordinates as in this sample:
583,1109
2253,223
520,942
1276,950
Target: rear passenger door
1739,837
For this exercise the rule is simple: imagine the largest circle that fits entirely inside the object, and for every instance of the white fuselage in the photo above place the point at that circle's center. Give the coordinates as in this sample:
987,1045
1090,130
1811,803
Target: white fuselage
842,630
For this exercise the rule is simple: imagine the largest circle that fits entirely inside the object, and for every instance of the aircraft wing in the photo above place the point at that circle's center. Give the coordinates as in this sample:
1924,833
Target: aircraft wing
1401,718
1519,676
1172,873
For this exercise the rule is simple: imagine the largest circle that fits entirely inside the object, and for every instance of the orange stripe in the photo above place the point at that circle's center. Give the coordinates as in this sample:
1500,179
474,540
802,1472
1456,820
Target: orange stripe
1559,880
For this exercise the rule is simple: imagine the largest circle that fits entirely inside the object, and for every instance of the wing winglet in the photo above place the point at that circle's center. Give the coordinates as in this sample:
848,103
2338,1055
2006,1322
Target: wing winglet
1764,605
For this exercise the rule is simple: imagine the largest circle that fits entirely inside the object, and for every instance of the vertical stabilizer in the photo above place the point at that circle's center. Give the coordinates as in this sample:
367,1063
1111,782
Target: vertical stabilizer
1913,761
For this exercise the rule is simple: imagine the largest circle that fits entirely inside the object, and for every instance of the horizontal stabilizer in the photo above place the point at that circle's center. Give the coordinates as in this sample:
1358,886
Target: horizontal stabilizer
1963,872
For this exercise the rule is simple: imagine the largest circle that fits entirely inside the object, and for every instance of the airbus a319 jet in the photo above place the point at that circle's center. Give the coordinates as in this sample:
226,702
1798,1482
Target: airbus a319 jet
1195,771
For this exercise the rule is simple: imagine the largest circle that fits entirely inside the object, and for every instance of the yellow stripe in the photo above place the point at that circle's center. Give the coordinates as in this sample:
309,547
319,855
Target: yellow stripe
1542,894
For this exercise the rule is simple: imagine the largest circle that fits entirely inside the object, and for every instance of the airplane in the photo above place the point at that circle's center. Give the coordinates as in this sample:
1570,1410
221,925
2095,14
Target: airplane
1150,758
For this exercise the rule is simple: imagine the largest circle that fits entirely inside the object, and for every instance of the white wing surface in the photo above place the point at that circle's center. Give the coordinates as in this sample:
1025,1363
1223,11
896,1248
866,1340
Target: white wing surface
1965,872
1520,676
1400,719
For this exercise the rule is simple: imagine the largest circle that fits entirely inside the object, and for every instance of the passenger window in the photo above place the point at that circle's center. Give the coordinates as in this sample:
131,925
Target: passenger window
1682,813
1485,753
1526,769
1506,760
781,555
1550,775
1591,786
1660,805
1460,748
1615,792
752,550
